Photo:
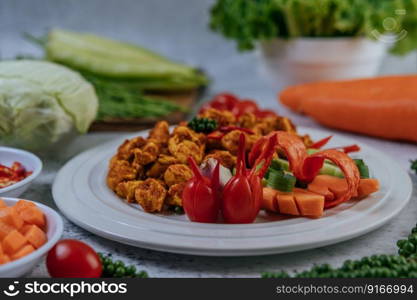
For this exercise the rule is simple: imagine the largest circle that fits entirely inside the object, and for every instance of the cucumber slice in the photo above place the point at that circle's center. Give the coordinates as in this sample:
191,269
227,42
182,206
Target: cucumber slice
327,169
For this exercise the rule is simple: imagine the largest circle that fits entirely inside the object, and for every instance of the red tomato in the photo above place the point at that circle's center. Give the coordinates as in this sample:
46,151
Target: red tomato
224,101
73,259
265,113
245,106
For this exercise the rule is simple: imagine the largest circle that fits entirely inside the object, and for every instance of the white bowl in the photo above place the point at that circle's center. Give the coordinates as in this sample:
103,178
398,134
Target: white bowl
54,229
301,60
31,163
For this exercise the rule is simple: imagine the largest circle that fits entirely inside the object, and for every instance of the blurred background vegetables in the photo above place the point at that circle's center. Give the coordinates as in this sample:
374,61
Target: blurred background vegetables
131,82
42,103
248,22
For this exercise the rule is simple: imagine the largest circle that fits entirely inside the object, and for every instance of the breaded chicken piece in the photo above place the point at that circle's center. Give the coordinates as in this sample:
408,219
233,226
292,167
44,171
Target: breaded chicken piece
147,154
185,149
223,118
127,189
150,194
185,142
224,157
160,132
175,194
159,167
177,173
125,149
121,170
182,133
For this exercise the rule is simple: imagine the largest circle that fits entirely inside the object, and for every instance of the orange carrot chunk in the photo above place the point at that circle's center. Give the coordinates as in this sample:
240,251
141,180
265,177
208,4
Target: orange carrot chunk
22,204
269,200
10,216
309,204
367,186
25,250
13,242
35,236
5,229
2,203
286,204
4,259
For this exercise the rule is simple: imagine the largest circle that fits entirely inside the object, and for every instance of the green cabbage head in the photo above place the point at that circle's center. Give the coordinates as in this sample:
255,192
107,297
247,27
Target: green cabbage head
41,103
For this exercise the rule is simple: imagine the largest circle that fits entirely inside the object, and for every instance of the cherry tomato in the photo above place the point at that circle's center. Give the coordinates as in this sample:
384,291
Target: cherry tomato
73,259
245,106
224,101
265,113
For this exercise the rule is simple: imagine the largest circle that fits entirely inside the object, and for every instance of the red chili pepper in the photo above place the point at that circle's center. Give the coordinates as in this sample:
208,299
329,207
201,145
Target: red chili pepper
321,143
351,148
201,199
242,194
13,174
216,135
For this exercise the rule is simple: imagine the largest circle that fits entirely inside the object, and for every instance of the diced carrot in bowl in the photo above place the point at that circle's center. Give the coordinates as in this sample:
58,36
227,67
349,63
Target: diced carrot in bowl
33,216
13,242
25,250
35,236
21,230
10,216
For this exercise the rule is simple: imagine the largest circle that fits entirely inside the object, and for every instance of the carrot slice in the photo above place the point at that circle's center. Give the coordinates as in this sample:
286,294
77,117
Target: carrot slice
25,250
309,204
349,169
5,229
22,204
269,199
4,259
367,186
10,216
13,242
33,216
287,204
35,236
2,203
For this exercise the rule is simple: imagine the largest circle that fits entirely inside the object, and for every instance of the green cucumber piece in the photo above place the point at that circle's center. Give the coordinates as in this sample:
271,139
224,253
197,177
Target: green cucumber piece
282,181
362,167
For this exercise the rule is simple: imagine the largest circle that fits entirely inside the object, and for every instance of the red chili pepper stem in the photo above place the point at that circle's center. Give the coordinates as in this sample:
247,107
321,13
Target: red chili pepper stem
215,179
321,143
241,159
264,160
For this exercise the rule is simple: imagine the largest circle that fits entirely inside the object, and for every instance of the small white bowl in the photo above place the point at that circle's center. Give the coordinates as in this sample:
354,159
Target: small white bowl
31,163
54,229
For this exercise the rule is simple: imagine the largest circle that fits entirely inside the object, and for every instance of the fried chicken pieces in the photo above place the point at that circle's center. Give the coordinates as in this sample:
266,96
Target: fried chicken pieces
153,171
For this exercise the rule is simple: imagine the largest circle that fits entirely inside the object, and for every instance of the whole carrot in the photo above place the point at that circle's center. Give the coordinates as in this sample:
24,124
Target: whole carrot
383,106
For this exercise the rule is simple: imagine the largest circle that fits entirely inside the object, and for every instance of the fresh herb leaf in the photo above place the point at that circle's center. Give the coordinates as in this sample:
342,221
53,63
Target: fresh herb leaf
249,22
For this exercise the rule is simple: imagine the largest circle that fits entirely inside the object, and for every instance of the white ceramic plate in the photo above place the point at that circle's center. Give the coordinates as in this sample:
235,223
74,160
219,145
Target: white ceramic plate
81,193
